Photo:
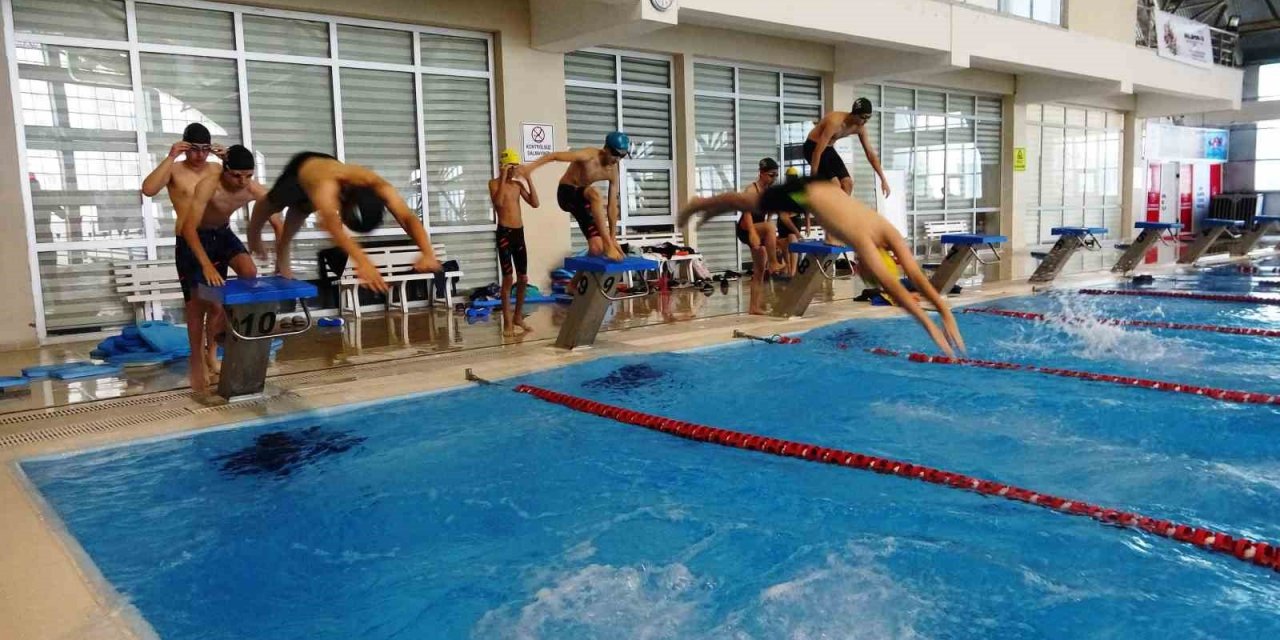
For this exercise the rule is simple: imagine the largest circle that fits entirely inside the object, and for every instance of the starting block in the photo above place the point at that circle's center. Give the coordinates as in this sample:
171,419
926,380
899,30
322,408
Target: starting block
250,304
964,251
594,286
1070,240
817,264
1262,225
1211,229
1151,232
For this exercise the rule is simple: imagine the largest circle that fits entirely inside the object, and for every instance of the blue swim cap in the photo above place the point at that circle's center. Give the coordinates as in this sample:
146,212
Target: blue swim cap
618,142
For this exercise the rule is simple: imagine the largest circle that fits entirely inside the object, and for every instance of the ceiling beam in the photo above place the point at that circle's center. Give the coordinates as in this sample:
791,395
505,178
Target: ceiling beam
1219,6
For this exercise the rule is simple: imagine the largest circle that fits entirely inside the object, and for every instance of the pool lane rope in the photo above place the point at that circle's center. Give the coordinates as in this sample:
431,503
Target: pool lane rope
1263,554
1225,395
1186,295
1144,324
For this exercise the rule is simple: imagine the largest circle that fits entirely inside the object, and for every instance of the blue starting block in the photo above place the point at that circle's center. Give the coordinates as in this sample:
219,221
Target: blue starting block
815,266
964,252
1070,240
1211,230
1262,225
251,304
1150,233
594,287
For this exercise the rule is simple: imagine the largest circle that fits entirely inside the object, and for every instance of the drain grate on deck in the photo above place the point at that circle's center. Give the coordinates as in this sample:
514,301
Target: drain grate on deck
36,415
84,428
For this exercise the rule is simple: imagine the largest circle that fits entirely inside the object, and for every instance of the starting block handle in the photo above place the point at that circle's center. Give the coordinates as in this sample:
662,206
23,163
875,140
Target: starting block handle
271,336
978,256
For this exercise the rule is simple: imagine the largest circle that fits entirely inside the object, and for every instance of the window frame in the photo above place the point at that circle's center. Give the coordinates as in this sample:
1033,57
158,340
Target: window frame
1110,203
133,47
618,87
736,97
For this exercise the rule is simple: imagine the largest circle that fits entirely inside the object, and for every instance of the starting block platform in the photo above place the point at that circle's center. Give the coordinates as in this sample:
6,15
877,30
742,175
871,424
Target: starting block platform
1211,229
1262,225
1150,234
250,304
817,264
964,251
1070,240
594,287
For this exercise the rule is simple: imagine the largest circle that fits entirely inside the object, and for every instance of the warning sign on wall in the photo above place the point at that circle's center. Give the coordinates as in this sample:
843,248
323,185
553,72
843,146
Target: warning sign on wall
538,139
1019,158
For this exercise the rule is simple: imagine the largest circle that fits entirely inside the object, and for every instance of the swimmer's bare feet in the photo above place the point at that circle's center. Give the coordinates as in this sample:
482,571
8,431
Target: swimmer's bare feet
614,254
524,326
509,331
211,362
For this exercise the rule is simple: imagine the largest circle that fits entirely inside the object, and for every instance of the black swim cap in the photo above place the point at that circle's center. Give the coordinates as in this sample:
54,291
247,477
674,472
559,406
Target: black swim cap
238,158
362,210
862,107
196,133
768,164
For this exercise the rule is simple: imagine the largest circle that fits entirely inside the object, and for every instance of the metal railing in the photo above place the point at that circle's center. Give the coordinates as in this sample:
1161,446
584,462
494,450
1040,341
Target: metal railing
1226,44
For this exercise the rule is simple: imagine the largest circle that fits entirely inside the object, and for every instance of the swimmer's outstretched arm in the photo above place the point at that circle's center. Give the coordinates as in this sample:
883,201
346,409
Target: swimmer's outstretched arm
717,205
572,155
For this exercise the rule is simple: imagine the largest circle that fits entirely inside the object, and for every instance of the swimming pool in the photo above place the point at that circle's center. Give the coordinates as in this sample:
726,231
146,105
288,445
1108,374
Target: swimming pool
486,513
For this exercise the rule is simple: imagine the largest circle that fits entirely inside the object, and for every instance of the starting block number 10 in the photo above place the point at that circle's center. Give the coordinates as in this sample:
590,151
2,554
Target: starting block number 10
265,323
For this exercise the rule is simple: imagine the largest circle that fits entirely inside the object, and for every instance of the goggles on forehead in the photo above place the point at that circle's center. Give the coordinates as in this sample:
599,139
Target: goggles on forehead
199,147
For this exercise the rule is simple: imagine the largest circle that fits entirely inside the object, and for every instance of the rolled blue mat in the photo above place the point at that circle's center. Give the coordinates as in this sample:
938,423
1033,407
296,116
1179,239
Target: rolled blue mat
47,370
87,371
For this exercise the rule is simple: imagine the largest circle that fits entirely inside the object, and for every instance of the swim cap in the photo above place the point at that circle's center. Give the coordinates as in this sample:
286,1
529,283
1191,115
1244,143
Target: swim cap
196,133
238,158
508,157
362,209
619,143
768,164
862,107
793,172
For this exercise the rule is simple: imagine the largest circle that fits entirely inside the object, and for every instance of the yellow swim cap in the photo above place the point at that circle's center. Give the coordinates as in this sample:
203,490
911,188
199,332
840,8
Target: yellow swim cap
793,172
508,158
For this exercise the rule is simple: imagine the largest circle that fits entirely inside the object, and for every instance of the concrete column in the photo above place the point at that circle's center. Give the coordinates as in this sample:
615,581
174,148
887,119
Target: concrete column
1012,183
686,175
1133,173
18,314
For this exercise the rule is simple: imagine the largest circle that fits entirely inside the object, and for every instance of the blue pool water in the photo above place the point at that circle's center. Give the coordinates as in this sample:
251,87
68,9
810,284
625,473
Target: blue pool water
489,514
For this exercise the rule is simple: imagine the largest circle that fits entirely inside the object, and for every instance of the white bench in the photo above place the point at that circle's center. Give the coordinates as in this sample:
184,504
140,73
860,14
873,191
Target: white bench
670,265
395,263
933,232
145,281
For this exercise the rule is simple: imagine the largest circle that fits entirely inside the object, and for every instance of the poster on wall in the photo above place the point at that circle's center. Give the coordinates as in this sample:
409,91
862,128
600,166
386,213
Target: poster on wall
1183,40
537,140
1168,142
1215,144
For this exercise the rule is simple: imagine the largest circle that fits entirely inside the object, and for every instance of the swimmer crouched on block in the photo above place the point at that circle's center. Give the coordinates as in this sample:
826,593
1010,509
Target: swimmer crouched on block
857,226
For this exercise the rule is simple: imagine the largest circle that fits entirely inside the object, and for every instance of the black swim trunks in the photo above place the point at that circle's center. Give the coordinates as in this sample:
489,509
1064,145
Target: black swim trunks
789,197
831,166
287,192
220,244
573,200
512,253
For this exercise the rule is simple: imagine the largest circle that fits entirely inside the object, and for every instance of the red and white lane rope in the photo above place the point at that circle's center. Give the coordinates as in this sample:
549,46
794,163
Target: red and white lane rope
1226,395
1186,295
1145,324
1263,554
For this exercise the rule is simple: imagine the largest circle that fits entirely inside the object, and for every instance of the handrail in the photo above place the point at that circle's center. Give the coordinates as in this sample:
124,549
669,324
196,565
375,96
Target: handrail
1226,44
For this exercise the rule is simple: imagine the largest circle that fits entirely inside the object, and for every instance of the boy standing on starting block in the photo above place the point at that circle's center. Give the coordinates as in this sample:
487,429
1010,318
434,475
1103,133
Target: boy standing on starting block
506,191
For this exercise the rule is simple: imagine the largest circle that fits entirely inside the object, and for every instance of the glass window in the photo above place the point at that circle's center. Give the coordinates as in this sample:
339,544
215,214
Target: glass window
1269,82
451,52
591,67
290,110
758,83
592,114
378,127
97,19
716,78
265,34
79,291
186,27
1076,156
179,90
646,72
375,45
456,125
647,118
758,132
84,144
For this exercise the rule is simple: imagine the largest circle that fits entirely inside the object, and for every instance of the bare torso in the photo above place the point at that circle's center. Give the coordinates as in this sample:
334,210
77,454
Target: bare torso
506,201
183,179
224,203
835,121
584,173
